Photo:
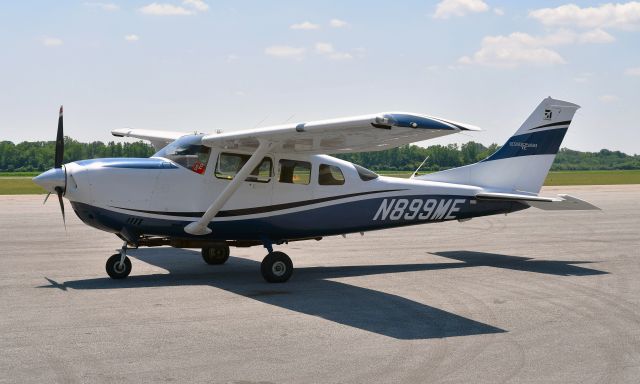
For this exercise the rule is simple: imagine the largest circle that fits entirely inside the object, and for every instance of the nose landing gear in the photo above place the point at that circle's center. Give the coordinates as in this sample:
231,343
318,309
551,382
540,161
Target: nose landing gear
119,266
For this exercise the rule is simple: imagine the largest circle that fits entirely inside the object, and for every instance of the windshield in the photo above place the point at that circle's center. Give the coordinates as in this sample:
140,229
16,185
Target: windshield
188,152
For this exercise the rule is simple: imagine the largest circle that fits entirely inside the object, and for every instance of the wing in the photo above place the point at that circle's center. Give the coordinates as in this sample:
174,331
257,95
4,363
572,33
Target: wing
158,139
352,134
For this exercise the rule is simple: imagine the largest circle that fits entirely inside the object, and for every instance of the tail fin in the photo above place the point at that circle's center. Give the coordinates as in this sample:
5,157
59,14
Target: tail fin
522,163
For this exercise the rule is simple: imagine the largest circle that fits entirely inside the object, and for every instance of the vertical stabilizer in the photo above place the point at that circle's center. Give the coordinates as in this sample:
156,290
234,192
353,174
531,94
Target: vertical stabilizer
522,163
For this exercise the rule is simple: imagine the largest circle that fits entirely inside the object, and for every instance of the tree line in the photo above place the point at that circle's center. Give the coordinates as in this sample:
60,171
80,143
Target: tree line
38,156
409,157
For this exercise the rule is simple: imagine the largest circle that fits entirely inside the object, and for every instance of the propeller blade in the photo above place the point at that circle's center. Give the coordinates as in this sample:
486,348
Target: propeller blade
46,198
59,143
59,193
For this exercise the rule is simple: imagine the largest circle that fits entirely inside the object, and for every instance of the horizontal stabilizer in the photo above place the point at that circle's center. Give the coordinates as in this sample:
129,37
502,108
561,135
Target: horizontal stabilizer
560,203
515,197
568,203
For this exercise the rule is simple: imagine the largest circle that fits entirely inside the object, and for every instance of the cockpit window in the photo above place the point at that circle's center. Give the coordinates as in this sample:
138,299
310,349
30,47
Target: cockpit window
330,175
365,174
230,163
187,152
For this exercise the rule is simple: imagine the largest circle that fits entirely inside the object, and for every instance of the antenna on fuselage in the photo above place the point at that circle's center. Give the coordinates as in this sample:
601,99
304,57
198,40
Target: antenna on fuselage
262,121
290,117
419,166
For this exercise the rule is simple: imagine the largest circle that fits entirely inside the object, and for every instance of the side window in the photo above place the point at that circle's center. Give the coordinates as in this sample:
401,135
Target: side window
330,175
230,163
365,174
295,172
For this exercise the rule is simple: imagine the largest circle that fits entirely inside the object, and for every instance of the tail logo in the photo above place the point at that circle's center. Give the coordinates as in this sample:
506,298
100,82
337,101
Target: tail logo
524,146
548,114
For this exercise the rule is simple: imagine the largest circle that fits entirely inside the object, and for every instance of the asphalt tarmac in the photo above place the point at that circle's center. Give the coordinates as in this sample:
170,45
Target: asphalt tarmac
532,297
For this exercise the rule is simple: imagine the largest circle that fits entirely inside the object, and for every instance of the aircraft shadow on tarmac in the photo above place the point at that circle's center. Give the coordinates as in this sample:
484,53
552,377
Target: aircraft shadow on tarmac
313,293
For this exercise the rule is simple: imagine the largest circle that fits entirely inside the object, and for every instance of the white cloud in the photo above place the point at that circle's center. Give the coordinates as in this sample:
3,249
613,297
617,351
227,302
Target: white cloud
305,25
448,8
327,50
498,11
632,71
285,51
198,5
231,58
511,51
609,98
157,9
132,38
621,15
51,41
523,49
104,6
596,36
337,23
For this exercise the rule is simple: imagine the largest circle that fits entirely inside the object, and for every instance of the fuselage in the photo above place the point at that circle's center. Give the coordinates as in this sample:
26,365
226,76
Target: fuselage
287,198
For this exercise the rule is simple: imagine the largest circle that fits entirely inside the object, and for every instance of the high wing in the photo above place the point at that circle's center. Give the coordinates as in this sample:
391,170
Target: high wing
158,139
352,134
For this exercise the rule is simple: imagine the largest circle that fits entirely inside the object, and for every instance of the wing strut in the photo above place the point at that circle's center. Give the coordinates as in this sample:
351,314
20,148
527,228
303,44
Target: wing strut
200,227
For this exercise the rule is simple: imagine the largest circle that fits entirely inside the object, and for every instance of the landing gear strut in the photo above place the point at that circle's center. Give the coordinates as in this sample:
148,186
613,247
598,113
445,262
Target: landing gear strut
216,255
119,266
276,267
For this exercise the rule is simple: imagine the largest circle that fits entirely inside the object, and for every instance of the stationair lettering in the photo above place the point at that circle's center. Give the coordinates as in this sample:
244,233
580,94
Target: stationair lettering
429,209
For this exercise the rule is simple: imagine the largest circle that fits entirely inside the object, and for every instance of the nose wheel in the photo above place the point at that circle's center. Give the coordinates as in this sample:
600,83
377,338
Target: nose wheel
276,267
117,269
119,266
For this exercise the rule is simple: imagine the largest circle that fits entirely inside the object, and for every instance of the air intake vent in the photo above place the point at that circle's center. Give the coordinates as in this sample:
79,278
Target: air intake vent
134,221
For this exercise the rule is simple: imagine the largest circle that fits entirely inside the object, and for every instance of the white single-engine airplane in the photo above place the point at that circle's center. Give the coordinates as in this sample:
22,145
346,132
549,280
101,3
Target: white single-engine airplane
273,185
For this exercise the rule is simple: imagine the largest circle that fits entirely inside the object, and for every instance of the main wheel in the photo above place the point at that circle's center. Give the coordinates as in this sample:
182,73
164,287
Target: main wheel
117,270
276,267
216,255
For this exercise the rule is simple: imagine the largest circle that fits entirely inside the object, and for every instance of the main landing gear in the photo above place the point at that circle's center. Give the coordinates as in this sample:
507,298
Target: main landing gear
119,266
216,255
276,267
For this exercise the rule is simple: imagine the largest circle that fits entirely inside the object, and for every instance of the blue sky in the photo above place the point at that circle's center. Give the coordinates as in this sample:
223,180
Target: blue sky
202,65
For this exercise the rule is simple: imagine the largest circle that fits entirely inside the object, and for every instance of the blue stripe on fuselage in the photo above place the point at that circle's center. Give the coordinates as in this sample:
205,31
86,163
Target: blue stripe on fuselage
349,217
534,143
129,163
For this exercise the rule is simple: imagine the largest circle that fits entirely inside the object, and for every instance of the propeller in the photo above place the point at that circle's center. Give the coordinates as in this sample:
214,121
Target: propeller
64,220
59,143
57,164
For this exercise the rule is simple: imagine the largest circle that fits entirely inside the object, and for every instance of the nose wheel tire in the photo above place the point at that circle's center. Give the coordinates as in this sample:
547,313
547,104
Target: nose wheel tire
276,267
215,255
116,269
